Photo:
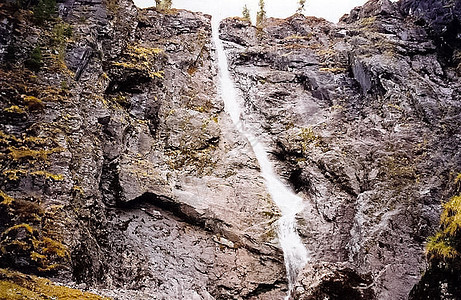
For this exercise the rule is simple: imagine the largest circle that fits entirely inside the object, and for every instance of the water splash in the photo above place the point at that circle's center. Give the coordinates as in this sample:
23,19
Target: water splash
294,252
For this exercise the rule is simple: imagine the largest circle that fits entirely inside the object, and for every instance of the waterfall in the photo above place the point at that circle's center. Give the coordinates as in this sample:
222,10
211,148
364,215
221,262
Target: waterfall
294,252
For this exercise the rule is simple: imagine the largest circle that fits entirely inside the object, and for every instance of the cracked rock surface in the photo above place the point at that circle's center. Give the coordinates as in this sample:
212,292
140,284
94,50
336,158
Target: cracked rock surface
120,172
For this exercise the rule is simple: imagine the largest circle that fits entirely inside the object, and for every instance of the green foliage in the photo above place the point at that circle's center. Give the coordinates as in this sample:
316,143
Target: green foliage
64,86
44,10
446,244
246,13
62,32
11,50
35,60
301,8
24,4
261,14
308,137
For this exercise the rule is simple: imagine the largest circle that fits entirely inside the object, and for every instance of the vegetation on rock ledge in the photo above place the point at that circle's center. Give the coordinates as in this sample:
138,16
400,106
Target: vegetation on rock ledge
15,285
446,244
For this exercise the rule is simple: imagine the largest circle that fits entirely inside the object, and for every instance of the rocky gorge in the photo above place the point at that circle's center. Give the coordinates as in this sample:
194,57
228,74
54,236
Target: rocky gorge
122,174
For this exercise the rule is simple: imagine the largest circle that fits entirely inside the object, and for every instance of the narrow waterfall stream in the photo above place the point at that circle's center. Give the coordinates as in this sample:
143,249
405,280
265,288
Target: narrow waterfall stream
295,253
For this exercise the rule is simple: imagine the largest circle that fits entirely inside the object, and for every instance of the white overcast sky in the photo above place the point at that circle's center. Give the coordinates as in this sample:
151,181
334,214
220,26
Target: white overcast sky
331,10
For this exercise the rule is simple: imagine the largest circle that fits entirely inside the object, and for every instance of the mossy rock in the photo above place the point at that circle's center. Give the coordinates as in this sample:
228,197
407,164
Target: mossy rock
15,285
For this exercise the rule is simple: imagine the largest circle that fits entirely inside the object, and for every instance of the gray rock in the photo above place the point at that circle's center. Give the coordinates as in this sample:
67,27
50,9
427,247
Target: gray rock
130,162
358,133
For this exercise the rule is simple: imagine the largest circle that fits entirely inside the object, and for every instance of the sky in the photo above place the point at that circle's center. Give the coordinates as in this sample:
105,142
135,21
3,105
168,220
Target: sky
331,10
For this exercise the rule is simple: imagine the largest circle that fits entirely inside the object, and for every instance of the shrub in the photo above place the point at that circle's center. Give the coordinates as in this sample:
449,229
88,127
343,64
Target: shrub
261,14
35,60
44,10
246,13
446,244
163,4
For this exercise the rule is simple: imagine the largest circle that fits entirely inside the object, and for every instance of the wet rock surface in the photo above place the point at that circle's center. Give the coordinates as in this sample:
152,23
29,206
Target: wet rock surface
333,281
121,173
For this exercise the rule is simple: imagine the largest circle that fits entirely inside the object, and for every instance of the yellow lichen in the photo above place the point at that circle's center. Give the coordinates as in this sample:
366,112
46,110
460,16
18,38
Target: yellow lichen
141,59
44,251
53,94
293,46
367,22
12,291
308,137
15,286
24,152
336,107
37,256
202,160
6,138
33,102
400,167
48,175
14,109
7,200
158,74
394,106
140,67
326,53
125,65
29,140
52,247
142,52
14,174
15,227
458,178
78,189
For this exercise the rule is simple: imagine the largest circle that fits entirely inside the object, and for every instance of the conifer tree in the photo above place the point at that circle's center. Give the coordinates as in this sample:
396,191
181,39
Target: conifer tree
301,4
44,10
163,4
167,4
246,13
261,15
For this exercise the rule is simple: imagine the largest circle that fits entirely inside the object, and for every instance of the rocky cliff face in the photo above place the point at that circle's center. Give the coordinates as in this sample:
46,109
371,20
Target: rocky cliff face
128,156
121,172
362,118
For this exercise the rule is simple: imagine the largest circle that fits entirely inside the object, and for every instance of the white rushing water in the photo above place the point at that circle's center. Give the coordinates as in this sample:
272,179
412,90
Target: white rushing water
294,252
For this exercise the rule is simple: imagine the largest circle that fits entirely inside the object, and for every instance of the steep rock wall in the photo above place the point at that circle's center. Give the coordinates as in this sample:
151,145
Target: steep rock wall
363,120
118,141
121,173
